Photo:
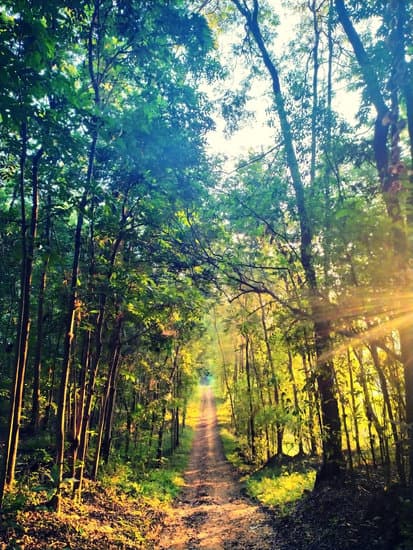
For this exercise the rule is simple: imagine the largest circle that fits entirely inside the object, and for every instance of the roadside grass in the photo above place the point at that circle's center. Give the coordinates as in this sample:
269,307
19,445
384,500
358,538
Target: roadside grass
280,487
158,487
276,485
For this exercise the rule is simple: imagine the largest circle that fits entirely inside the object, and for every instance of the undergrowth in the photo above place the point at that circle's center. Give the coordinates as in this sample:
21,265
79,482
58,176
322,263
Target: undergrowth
279,486
276,485
124,509
161,485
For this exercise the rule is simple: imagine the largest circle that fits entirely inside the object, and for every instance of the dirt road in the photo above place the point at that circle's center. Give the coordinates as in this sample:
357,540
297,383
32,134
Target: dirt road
212,513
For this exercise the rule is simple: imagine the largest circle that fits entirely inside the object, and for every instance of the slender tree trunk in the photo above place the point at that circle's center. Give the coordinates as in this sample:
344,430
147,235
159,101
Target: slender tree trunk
28,235
311,406
299,435
370,414
107,436
354,408
279,427
251,421
332,453
159,450
406,340
342,400
388,405
72,306
106,412
314,108
35,412
225,376
260,387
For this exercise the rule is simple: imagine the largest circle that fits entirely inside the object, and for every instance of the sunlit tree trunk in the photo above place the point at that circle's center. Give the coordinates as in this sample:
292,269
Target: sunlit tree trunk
370,414
354,407
332,453
386,397
275,384
312,405
251,420
296,403
343,403
225,376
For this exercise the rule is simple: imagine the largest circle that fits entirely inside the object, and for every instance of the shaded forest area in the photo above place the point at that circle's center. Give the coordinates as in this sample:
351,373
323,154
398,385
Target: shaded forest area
137,260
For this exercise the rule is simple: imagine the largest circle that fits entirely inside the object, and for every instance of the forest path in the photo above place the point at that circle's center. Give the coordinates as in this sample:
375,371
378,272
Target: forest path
212,514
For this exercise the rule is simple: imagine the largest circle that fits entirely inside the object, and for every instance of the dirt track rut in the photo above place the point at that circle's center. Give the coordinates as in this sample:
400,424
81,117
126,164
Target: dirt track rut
212,513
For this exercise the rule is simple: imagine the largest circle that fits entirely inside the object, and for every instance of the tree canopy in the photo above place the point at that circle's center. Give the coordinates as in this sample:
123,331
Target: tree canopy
136,260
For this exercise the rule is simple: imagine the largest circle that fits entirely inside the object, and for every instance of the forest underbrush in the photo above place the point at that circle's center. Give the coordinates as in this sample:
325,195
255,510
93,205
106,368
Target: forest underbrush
124,509
363,511
106,518
360,513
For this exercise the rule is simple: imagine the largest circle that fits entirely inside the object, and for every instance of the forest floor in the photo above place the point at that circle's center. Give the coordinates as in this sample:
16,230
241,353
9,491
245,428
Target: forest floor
213,512
106,520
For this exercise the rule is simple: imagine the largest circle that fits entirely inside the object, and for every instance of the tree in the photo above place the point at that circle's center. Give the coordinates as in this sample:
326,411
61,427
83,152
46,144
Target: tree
390,167
332,455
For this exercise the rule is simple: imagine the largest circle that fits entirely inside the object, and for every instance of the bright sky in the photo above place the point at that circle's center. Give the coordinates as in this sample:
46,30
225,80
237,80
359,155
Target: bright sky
255,134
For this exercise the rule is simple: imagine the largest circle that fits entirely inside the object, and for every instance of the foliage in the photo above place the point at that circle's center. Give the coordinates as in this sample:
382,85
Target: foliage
280,488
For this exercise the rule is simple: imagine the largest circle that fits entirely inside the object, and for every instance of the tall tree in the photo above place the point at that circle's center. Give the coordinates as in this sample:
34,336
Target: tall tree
332,454
387,128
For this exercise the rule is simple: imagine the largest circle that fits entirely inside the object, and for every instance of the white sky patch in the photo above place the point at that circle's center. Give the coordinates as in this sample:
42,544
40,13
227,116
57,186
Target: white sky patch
255,134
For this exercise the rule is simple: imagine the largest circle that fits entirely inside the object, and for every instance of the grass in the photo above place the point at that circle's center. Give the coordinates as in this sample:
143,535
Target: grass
232,451
273,486
280,487
159,486
163,485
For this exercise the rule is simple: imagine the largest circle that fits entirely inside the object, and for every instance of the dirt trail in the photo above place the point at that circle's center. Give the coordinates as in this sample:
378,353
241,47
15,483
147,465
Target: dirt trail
212,513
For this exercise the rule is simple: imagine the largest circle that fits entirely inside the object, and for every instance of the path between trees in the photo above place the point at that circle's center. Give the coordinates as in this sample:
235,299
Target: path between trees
212,513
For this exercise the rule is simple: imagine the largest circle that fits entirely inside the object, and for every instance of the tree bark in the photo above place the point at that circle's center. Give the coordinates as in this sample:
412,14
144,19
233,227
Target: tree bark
251,420
28,236
37,364
106,414
279,427
332,453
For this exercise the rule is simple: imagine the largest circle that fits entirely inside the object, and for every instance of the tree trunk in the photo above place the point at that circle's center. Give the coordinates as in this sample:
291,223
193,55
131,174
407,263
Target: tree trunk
159,450
332,454
279,427
299,435
27,243
106,414
72,306
251,422
370,414
35,412
388,405
354,408
311,406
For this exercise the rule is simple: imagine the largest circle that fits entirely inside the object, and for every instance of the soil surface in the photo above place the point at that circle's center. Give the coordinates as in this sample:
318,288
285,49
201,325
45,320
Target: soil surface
212,513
